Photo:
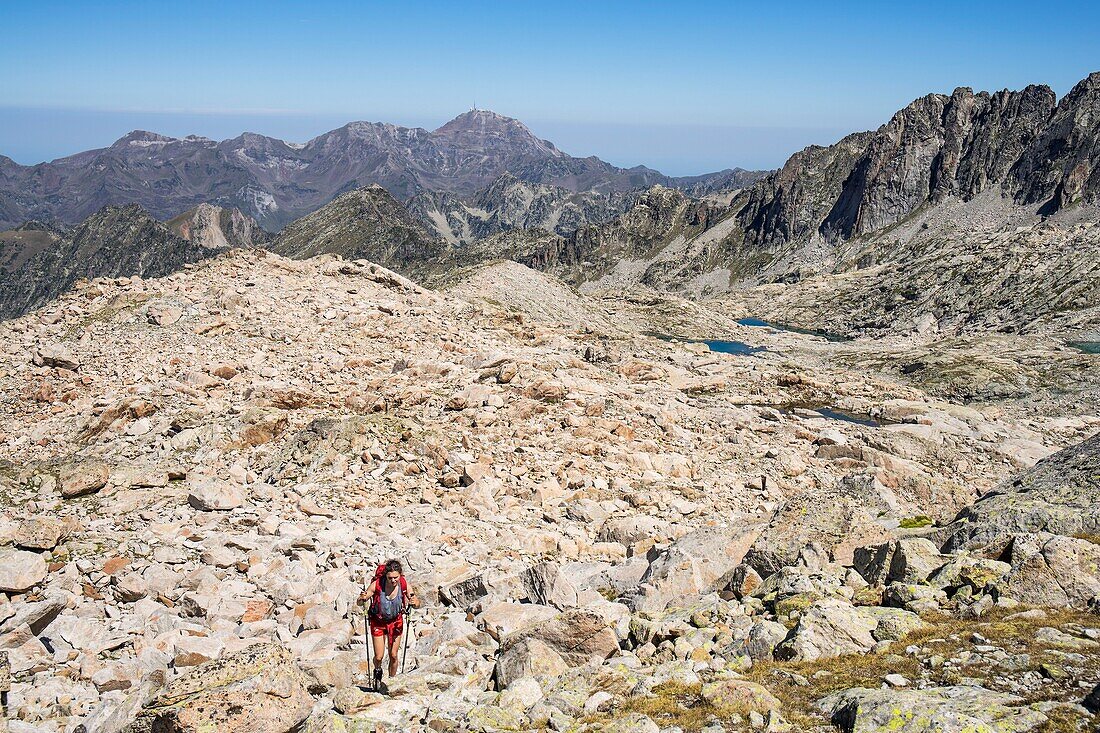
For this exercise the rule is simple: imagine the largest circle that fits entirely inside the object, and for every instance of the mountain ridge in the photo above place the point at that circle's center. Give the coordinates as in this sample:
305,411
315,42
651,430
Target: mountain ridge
277,182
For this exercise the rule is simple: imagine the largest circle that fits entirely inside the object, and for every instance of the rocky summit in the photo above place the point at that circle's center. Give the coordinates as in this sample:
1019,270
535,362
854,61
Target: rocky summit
614,521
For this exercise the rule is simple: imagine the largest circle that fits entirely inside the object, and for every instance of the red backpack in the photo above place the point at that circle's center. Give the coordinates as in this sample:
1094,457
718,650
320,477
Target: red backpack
376,601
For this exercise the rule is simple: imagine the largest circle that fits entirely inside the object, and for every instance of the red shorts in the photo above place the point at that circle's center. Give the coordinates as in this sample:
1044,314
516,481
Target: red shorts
392,629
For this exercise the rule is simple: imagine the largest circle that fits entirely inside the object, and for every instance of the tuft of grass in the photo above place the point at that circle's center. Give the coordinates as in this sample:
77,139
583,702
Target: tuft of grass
916,522
1065,720
681,705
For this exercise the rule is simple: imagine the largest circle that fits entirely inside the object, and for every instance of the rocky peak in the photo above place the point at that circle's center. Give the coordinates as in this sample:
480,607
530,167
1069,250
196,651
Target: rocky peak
367,223
485,129
1024,143
142,138
1061,166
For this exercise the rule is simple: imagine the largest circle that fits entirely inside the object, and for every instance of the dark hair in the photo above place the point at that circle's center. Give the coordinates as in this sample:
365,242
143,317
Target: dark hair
393,566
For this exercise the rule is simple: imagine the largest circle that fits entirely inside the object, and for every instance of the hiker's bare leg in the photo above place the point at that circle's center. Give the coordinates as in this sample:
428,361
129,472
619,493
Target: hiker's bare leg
379,643
395,653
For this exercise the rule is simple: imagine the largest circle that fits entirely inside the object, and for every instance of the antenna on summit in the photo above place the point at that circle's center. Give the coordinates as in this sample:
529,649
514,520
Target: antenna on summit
474,108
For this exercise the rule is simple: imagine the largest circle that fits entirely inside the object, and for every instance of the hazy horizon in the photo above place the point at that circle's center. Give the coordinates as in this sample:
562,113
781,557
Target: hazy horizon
687,88
56,133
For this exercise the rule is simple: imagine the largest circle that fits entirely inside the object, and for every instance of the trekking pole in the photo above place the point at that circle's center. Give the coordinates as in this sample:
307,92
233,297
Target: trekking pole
408,633
367,643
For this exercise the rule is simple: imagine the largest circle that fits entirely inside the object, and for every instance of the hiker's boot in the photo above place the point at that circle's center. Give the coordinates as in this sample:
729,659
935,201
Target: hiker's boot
377,680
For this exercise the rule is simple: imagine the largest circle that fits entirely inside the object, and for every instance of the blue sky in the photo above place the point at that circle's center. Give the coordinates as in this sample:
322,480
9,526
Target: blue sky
684,87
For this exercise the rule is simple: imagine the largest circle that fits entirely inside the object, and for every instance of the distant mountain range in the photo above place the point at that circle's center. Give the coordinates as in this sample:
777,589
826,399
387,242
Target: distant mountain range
277,182
963,209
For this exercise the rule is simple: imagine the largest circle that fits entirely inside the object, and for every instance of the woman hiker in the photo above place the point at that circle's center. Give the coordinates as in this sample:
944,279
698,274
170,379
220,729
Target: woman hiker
389,596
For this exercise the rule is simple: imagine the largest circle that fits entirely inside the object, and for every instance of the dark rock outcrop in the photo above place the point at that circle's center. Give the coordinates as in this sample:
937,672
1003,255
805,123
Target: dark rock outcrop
367,223
1059,495
39,262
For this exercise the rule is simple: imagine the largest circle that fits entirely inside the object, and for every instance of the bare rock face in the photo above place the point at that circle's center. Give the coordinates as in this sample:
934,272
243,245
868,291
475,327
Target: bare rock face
1060,166
257,690
216,227
938,146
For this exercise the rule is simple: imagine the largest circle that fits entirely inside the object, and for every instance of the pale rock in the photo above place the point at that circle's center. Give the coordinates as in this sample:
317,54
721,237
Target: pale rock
828,628
528,657
55,355
20,570
547,585
213,495
39,533
351,700
257,690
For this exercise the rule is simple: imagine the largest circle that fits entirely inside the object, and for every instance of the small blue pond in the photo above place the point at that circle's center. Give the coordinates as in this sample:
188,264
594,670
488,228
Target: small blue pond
739,348
848,417
733,347
1089,347
792,329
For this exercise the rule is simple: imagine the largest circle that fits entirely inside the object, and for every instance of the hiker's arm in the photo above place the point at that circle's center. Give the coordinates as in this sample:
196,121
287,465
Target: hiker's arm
369,592
414,600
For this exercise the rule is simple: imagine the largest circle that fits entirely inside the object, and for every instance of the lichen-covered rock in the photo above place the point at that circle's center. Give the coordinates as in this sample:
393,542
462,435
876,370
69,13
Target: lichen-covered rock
763,638
39,533
739,694
935,710
257,690
1059,495
83,477
892,624
1053,570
